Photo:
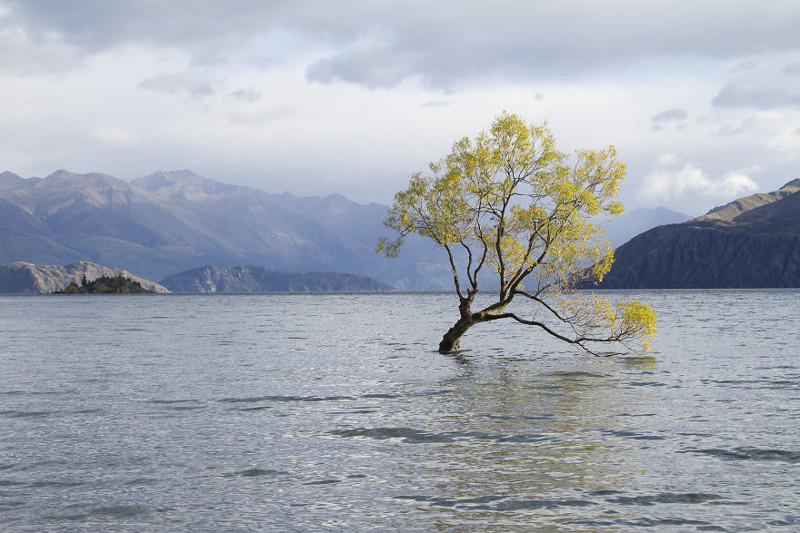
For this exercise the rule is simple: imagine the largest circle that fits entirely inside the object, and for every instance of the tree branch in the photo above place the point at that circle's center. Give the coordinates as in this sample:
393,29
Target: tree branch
579,341
455,272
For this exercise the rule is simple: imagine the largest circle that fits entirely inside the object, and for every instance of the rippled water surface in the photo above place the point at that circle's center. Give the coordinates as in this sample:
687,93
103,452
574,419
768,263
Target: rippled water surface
290,412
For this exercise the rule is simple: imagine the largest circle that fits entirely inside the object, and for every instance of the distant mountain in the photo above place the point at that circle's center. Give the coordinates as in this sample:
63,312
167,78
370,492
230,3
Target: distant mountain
10,180
253,279
174,221
632,223
751,242
27,278
361,223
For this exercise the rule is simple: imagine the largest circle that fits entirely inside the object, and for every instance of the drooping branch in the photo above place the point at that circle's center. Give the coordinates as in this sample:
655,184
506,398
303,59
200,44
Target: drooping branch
579,341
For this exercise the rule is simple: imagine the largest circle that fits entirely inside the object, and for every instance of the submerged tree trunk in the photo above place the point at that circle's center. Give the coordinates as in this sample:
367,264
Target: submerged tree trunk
452,339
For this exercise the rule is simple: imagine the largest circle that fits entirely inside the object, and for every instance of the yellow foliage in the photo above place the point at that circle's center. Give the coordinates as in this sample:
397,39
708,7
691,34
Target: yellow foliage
631,323
528,211
640,320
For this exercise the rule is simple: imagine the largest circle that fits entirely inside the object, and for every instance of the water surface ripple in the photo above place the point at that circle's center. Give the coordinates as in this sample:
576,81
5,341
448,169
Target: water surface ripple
334,412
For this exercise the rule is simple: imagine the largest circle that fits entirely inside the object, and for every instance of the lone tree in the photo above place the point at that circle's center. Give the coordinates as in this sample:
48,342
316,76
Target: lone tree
509,201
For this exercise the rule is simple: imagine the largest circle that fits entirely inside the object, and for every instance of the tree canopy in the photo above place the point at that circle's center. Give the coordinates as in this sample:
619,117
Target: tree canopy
508,202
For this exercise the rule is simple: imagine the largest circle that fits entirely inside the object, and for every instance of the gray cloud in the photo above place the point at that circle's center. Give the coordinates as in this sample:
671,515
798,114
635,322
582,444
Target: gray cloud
670,115
764,88
442,43
373,64
95,25
71,30
792,69
246,95
742,95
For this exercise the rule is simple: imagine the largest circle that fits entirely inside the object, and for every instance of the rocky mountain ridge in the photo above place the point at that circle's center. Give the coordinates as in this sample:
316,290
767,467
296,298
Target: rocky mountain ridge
748,243
631,223
254,279
27,278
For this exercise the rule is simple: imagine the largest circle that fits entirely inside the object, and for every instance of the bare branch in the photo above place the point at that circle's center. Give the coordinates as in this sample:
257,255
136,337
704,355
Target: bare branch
482,261
455,272
578,341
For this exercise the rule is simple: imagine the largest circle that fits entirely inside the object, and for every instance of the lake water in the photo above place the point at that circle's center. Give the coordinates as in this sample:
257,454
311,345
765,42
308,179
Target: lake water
334,412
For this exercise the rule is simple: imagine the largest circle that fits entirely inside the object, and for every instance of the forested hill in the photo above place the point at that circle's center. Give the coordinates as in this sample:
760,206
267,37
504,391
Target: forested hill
751,242
105,285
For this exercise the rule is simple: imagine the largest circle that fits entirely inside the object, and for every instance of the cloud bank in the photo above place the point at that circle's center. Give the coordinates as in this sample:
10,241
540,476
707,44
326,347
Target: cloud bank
353,96
672,179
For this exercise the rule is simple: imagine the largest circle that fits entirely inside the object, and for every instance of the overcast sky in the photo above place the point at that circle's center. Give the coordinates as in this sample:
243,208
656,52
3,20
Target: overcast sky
700,97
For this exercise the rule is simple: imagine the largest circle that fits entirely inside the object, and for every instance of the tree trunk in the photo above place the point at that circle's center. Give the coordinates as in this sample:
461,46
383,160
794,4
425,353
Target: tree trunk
452,339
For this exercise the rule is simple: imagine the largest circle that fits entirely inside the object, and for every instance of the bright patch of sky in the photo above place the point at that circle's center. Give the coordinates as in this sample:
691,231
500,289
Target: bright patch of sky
702,99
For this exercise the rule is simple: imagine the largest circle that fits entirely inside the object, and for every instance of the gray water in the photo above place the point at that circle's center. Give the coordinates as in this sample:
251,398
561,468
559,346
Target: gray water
299,413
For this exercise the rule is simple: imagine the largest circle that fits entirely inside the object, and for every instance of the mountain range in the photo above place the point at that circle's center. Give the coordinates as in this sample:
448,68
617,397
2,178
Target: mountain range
173,222
750,242
170,222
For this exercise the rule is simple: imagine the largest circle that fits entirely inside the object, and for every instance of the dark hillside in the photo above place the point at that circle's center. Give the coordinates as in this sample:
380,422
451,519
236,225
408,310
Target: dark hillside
751,242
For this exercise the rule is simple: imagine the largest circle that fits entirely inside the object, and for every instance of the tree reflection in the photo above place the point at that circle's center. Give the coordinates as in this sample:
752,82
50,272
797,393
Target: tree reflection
526,439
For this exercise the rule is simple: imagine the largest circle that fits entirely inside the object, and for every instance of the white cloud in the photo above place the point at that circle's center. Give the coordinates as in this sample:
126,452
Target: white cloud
671,180
667,159
732,184
260,117
110,135
437,103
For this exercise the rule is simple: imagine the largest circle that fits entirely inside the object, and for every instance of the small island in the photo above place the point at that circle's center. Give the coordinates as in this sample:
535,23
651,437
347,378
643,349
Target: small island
104,285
